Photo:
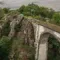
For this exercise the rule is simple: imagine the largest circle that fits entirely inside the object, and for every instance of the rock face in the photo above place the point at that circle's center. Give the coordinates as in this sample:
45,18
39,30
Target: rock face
28,32
21,32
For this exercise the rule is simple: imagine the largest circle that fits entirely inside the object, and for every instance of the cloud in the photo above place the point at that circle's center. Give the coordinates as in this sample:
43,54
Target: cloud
55,4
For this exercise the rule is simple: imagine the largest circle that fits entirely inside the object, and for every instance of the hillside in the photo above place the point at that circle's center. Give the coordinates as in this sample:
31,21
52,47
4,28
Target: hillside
18,31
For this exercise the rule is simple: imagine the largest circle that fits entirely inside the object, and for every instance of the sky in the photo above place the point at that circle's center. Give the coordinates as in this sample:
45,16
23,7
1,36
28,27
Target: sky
55,4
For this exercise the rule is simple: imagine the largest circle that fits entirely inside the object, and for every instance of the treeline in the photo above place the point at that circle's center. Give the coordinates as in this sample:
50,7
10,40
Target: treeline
33,10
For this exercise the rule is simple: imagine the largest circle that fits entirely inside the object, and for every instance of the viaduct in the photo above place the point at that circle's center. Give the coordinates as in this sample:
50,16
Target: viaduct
42,31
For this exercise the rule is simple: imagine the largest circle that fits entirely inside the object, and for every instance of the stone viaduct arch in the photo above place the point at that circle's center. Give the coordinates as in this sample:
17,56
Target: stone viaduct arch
41,40
43,46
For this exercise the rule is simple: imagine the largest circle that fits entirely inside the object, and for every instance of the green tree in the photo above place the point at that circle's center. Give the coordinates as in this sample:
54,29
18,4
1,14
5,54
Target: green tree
6,29
6,10
21,9
51,13
56,18
29,10
44,12
1,13
4,48
33,9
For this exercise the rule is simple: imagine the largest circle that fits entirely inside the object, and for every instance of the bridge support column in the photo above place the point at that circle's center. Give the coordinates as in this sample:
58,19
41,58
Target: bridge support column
43,51
43,47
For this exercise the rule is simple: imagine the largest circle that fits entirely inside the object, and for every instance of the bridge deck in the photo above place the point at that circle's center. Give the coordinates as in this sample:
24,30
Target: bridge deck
46,24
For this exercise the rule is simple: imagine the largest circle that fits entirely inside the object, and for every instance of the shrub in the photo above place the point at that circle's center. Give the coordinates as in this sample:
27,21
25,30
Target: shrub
1,13
4,48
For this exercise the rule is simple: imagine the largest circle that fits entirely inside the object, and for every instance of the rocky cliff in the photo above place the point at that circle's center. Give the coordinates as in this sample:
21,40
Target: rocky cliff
21,33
